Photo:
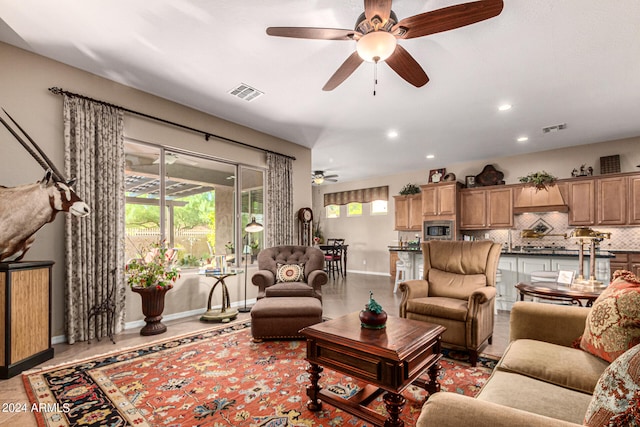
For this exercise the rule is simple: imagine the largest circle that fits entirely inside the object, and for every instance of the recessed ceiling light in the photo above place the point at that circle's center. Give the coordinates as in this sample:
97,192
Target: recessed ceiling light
430,156
523,139
392,134
504,107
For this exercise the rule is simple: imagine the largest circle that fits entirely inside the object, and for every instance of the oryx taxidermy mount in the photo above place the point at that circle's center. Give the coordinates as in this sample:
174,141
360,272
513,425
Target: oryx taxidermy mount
25,209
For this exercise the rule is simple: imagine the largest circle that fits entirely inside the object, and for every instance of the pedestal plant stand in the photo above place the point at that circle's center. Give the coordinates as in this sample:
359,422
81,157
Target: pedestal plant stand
152,308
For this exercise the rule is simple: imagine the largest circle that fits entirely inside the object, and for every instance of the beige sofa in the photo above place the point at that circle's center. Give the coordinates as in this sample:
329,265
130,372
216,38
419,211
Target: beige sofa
541,380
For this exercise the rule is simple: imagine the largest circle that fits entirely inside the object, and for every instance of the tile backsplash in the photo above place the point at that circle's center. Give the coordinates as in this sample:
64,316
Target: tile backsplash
622,238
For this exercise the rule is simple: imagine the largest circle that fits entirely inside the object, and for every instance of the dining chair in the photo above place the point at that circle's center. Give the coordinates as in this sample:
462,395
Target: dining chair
333,257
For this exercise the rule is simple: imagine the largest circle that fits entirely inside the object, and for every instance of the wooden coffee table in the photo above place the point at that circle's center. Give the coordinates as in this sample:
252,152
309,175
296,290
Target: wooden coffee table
388,359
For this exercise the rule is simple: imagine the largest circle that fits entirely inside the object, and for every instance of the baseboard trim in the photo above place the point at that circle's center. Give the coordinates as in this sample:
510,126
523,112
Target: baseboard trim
371,273
61,339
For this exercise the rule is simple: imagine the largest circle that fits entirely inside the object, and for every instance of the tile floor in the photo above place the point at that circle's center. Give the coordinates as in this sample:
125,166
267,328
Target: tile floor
340,296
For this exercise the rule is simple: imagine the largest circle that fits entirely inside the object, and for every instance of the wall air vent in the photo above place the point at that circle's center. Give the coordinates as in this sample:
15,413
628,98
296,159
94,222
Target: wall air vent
246,92
555,128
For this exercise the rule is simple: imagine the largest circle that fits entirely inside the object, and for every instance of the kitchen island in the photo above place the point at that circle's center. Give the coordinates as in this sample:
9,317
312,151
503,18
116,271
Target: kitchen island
521,264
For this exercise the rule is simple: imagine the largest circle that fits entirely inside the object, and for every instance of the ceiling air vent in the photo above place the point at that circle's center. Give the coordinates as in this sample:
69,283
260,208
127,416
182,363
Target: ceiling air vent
555,128
246,92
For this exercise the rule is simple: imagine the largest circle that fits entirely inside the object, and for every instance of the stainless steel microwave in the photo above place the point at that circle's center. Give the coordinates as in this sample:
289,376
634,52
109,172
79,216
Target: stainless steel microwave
441,230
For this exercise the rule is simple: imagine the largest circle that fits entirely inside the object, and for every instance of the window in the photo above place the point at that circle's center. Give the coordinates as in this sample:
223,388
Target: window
354,209
379,207
333,211
193,208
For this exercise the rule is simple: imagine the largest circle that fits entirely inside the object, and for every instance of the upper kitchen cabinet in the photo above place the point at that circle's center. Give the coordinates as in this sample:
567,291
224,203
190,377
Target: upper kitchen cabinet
581,195
634,200
486,208
408,211
611,200
604,200
440,200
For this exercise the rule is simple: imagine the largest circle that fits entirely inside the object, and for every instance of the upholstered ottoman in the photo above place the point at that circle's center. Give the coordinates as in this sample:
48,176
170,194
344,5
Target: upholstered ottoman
283,317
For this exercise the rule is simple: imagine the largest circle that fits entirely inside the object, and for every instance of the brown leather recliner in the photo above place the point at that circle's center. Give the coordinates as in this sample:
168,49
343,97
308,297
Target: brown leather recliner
314,274
457,291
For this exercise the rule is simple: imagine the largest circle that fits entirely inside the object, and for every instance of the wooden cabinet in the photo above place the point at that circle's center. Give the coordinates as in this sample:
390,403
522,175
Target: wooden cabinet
611,197
440,200
634,200
25,320
581,194
486,208
408,212
629,261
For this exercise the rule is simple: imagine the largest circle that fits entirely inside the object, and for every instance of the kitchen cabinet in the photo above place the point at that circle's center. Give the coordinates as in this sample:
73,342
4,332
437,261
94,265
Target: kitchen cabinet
486,208
440,200
581,195
611,196
634,200
393,258
629,261
408,212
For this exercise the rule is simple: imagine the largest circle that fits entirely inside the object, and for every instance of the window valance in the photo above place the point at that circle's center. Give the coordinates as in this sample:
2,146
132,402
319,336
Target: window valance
363,195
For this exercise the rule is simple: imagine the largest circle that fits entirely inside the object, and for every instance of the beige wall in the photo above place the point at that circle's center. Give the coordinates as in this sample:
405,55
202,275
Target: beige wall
368,236
24,80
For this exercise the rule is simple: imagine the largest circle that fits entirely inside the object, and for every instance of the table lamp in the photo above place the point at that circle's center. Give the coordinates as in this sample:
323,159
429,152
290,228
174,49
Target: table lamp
252,227
584,235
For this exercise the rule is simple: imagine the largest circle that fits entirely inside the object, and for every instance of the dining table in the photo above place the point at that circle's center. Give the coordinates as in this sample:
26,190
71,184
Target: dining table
344,248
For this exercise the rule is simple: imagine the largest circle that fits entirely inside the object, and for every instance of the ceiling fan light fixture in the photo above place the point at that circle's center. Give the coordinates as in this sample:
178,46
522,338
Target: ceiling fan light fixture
318,180
376,46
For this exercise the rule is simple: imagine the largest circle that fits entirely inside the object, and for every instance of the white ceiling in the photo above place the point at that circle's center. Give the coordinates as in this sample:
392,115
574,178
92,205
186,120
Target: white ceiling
555,61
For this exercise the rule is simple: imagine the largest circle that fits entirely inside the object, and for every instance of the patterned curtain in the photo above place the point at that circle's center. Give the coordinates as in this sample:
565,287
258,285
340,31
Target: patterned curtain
363,195
94,155
280,216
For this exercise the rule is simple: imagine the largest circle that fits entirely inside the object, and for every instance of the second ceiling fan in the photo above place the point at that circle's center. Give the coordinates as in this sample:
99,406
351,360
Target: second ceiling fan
377,30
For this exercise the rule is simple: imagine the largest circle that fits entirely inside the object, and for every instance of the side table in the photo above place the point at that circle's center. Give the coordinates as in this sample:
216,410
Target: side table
225,313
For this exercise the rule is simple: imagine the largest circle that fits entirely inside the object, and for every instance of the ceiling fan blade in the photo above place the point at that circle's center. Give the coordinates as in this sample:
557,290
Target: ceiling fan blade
448,18
330,176
331,180
345,70
408,68
382,8
312,33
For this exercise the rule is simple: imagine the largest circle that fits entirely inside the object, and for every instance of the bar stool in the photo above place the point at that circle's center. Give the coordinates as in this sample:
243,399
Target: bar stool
401,274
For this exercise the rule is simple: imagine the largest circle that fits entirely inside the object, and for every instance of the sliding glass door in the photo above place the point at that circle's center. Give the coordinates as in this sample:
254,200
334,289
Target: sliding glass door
194,208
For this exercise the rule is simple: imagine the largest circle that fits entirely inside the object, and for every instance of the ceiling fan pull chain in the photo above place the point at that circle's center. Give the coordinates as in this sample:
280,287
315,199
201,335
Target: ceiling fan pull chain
375,77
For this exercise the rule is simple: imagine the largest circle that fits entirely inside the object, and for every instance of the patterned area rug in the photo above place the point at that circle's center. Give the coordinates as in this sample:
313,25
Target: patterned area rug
217,377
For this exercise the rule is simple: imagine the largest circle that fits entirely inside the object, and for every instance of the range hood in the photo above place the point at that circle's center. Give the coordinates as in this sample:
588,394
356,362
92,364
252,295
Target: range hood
532,199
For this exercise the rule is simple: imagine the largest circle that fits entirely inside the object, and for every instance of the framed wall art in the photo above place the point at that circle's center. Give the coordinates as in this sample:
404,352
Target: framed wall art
436,175
470,181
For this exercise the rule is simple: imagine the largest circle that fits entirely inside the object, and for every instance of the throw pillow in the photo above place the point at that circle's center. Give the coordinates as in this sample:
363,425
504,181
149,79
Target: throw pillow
290,273
613,324
616,398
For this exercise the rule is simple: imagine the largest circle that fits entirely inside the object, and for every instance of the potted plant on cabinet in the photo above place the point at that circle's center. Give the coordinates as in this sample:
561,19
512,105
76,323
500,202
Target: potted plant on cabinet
410,189
151,276
540,179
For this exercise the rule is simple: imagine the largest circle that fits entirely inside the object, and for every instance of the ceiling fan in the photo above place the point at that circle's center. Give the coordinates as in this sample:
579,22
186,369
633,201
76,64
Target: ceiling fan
377,30
319,177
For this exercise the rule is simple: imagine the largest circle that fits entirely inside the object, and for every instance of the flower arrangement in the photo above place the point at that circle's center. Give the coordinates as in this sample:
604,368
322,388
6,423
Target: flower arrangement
155,268
318,238
540,179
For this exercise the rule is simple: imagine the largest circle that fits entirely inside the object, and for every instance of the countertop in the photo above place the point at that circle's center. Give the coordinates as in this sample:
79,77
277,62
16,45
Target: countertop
571,253
556,253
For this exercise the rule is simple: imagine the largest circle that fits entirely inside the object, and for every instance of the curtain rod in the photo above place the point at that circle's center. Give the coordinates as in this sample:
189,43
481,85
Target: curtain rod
207,135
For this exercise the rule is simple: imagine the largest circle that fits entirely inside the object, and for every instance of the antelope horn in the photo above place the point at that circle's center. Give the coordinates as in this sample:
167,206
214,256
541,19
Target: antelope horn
44,161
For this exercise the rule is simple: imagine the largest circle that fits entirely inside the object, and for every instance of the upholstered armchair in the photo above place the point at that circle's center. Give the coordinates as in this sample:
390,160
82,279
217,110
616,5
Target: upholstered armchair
290,271
457,291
